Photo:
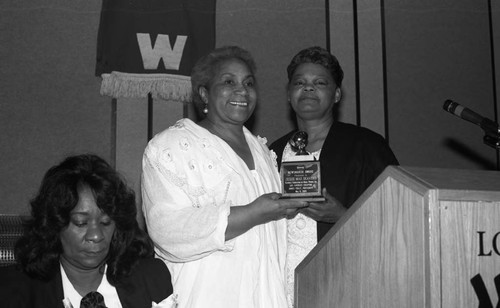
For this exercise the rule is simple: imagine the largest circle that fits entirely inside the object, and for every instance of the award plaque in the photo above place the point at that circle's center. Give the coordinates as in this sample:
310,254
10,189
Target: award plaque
301,178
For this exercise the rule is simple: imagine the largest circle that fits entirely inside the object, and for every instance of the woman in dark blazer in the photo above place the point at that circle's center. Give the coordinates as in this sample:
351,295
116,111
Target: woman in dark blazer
83,238
351,157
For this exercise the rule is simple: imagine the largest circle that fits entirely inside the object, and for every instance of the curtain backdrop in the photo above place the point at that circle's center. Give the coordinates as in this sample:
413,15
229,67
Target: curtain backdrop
150,46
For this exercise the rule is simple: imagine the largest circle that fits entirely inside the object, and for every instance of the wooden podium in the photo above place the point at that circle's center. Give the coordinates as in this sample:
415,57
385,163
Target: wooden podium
417,237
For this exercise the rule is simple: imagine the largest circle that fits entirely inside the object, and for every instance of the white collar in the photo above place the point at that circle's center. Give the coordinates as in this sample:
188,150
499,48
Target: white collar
72,296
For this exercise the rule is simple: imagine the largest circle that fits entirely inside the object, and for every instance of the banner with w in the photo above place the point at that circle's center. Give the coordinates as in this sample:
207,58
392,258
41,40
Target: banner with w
149,46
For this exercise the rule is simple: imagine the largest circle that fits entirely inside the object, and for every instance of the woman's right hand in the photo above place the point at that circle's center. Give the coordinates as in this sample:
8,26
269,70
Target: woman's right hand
265,208
269,207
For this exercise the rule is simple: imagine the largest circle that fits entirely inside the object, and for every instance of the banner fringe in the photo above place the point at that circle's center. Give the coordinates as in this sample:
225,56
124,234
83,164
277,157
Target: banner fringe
163,86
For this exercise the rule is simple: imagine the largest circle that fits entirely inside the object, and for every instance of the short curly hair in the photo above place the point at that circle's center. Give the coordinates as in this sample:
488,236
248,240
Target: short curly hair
38,250
317,55
205,68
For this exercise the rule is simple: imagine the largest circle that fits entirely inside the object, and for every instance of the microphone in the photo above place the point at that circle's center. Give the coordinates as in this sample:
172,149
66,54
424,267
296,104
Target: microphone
490,127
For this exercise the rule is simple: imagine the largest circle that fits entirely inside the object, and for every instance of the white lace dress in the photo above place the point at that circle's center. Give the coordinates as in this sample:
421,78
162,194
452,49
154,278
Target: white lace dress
301,233
191,179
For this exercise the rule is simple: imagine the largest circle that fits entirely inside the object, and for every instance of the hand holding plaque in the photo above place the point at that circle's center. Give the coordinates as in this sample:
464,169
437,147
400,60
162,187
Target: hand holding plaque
301,178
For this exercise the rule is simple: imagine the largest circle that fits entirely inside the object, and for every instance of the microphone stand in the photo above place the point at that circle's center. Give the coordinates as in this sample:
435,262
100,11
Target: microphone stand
492,137
492,133
493,142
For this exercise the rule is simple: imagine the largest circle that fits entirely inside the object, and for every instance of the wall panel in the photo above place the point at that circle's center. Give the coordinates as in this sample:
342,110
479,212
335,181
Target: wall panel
50,105
438,51
273,31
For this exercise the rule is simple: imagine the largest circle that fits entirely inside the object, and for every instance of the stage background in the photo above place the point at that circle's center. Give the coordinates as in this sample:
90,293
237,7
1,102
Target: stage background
402,60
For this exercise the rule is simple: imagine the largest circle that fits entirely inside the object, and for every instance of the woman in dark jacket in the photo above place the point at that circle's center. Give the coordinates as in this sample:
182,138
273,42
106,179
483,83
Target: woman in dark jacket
351,157
83,238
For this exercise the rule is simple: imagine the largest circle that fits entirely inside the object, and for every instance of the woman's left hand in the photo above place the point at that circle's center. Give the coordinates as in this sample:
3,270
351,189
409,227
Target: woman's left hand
329,210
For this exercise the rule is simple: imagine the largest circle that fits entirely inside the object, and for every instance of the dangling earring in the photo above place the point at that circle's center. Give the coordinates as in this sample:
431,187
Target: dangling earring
205,110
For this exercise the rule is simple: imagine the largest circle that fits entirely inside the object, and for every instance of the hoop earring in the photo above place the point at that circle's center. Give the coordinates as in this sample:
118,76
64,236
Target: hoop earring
205,110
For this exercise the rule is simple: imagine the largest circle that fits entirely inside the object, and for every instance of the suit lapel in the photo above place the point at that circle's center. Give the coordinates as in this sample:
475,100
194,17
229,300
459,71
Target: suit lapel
132,295
50,293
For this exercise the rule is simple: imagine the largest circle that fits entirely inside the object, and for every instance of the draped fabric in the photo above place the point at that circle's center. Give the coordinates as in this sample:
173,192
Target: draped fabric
150,46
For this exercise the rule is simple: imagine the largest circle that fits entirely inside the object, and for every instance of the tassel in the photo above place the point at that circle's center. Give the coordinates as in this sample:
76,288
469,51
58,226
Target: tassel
163,86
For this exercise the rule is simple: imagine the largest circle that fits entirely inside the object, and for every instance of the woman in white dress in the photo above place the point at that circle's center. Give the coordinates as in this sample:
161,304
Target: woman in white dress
210,195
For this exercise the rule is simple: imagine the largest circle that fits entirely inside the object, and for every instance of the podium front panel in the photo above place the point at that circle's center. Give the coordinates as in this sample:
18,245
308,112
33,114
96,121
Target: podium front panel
374,258
470,256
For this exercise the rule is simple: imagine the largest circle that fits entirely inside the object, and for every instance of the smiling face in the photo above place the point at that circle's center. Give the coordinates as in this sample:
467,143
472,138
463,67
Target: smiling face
312,92
231,96
87,237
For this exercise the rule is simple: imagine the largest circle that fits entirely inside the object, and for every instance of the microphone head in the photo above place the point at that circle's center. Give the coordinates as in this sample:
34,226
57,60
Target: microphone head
462,112
450,105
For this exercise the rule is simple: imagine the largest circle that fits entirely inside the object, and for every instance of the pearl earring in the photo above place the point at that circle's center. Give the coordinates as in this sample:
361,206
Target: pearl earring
205,110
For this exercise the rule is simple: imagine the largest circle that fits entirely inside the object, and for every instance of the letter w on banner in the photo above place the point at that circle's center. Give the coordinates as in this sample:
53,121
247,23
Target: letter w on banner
149,46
